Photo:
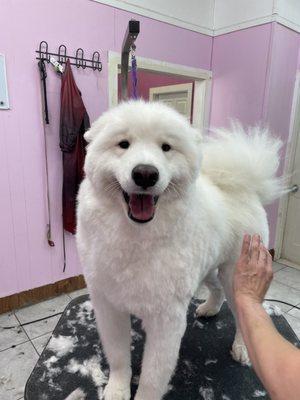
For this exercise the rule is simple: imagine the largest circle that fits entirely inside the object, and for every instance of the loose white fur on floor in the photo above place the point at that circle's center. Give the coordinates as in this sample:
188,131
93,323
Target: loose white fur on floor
210,192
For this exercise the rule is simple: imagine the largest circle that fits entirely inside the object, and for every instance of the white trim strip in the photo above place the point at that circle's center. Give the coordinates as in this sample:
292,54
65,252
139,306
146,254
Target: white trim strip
245,25
288,263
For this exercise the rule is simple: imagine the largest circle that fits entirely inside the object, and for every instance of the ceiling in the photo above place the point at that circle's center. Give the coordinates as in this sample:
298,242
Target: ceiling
215,17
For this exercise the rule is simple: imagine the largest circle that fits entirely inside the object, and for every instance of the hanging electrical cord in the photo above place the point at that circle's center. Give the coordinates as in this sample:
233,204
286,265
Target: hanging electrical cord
282,302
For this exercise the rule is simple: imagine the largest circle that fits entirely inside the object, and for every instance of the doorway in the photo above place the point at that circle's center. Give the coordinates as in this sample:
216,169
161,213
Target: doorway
199,79
288,232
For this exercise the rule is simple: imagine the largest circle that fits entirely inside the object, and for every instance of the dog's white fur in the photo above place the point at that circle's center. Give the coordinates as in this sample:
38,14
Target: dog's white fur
153,269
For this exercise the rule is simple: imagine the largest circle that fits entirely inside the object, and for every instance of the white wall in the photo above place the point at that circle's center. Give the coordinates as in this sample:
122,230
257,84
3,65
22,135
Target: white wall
215,17
237,14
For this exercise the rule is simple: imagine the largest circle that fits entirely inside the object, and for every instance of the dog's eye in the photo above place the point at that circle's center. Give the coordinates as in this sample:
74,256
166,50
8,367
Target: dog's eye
124,144
166,147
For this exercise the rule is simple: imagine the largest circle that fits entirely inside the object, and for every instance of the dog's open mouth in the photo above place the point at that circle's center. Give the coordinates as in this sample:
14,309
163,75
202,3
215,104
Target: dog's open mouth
141,207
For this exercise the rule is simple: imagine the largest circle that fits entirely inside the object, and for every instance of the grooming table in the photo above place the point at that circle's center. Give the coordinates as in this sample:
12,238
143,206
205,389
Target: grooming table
205,368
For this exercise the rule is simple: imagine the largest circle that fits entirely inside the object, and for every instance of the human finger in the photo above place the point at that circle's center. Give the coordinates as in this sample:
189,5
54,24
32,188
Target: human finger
246,245
263,256
269,263
254,249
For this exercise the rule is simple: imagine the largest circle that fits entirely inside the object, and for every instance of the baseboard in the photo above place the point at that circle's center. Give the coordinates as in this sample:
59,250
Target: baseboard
288,263
36,295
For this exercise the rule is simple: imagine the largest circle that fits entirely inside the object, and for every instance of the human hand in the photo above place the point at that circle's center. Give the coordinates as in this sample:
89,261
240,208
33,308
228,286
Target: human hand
253,272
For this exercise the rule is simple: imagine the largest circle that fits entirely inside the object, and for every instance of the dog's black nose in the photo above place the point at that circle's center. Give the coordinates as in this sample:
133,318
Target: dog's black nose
145,175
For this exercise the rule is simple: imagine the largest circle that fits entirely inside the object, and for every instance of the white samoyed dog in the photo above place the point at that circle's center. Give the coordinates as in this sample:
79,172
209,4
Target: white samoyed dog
160,211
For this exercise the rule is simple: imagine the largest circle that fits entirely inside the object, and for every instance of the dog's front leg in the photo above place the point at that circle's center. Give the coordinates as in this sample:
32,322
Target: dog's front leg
114,328
163,338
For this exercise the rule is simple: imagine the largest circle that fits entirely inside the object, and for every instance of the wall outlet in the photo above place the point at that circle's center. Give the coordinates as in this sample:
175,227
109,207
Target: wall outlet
4,102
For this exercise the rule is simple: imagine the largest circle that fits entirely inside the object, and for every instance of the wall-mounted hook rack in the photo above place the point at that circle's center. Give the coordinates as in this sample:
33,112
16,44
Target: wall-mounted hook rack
79,61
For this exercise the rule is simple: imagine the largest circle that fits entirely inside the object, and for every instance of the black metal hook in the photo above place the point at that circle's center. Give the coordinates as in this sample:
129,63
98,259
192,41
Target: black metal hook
79,58
62,54
96,63
43,50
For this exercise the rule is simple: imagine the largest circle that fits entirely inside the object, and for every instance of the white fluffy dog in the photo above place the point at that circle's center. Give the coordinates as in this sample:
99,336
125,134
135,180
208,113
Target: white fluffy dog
160,211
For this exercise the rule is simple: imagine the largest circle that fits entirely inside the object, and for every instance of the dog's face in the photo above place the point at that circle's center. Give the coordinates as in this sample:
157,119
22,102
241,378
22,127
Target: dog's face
140,154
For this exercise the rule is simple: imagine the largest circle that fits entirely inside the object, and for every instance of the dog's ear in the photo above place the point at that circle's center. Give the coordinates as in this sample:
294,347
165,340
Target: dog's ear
96,128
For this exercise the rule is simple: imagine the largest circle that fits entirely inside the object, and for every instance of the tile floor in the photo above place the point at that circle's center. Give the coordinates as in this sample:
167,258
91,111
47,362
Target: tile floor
20,347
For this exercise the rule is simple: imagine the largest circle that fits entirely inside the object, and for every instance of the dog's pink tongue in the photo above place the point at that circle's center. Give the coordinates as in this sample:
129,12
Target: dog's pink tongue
141,206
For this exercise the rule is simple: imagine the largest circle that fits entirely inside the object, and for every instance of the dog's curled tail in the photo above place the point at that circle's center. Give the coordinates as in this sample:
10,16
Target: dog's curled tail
246,161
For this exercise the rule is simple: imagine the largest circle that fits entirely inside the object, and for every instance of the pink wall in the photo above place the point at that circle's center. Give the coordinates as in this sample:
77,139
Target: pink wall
239,65
279,95
244,87
254,70
281,80
26,260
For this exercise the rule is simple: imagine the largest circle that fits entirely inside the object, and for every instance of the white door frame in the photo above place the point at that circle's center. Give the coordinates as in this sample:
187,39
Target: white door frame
177,87
180,87
294,130
201,77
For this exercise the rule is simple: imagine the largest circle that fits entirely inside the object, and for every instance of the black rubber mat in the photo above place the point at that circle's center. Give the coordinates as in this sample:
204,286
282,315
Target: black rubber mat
74,359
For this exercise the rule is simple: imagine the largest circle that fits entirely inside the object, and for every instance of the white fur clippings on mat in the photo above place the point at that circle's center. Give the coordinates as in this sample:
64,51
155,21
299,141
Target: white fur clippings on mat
85,312
259,393
207,393
78,394
62,345
90,367
210,362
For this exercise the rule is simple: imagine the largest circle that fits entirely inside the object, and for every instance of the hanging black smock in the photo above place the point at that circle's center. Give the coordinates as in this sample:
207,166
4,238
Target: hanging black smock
74,121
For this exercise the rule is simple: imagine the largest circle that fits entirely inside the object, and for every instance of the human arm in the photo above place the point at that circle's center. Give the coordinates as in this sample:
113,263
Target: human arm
275,360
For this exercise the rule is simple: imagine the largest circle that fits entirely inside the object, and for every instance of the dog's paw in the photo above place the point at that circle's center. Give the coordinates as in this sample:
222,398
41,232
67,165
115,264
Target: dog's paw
116,390
207,310
240,354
